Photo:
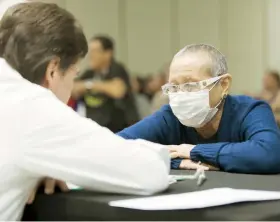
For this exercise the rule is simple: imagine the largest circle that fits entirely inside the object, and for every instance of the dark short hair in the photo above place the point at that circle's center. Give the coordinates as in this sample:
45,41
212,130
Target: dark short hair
34,33
106,42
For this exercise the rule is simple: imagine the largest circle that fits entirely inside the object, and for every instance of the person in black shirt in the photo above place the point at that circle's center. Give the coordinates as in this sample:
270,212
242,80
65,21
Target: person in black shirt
105,88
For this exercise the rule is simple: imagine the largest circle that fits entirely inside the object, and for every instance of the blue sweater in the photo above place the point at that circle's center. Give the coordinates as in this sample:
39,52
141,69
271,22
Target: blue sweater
247,141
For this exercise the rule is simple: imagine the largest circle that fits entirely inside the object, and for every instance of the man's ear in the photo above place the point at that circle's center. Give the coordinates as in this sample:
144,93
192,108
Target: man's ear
226,83
51,71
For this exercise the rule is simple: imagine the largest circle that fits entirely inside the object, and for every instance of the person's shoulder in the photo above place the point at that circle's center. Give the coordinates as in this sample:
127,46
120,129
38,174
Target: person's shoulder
118,66
166,109
171,123
166,112
117,70
243,105
33,92
39,95
245,101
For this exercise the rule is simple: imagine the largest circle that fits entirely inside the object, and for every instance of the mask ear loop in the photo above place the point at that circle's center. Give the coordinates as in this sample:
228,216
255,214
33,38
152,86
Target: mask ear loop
215,83
221,100
223,97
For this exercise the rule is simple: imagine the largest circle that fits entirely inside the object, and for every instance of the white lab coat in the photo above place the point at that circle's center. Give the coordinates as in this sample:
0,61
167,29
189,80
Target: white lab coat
40,136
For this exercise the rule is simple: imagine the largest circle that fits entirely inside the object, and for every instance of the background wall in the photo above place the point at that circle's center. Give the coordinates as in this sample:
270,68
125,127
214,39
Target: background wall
149,32
273,30
243,40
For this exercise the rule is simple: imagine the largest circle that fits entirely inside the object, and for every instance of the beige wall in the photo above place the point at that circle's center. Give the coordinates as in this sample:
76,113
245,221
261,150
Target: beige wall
273,32
198,22
61,3
98,17
149,32
243,37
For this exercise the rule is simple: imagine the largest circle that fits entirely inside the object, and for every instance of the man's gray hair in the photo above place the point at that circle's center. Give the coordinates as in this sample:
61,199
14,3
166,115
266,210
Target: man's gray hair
218,64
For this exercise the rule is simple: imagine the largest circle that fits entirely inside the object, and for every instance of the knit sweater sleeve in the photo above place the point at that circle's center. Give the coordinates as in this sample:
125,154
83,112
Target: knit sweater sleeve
258,153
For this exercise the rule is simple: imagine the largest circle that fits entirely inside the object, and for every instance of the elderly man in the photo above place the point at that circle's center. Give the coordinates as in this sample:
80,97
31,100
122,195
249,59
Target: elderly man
40,49
233,133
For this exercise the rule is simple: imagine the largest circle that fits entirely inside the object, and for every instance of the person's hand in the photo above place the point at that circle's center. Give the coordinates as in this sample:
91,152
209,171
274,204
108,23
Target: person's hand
50,185
187,164
180,151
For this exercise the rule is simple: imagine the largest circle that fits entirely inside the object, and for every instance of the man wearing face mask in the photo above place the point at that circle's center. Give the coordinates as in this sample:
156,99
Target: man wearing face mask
203,123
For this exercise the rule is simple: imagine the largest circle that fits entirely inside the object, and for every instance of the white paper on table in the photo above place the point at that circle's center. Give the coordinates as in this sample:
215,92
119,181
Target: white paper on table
197,199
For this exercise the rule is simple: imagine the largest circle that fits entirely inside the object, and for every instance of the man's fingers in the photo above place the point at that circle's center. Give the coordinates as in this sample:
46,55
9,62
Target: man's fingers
31,197
172,148
174,155
202,167
62,186
33,194
49,186
214,168
189,165
211,167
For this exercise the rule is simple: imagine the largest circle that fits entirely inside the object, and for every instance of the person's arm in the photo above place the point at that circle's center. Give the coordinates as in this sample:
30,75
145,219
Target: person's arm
82,84
79,89
60,144
161,127
115,88
259,153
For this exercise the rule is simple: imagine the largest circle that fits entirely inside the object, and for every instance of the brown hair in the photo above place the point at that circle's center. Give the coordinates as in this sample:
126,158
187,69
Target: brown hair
34,33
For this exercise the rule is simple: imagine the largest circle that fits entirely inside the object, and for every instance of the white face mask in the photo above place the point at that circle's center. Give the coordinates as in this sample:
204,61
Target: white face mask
192,108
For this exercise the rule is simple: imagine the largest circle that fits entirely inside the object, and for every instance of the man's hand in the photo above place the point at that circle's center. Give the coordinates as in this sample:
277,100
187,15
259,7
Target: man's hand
190,165
180,151
187,164
50,185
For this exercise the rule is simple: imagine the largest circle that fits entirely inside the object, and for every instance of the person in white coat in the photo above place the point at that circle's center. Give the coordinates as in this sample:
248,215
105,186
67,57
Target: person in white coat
40,49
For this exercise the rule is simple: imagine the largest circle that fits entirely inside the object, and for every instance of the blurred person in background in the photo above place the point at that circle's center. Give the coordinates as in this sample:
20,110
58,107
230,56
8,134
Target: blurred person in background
142,102
270,92
41,46
105,88
203,123
159,99
153,84
152,89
